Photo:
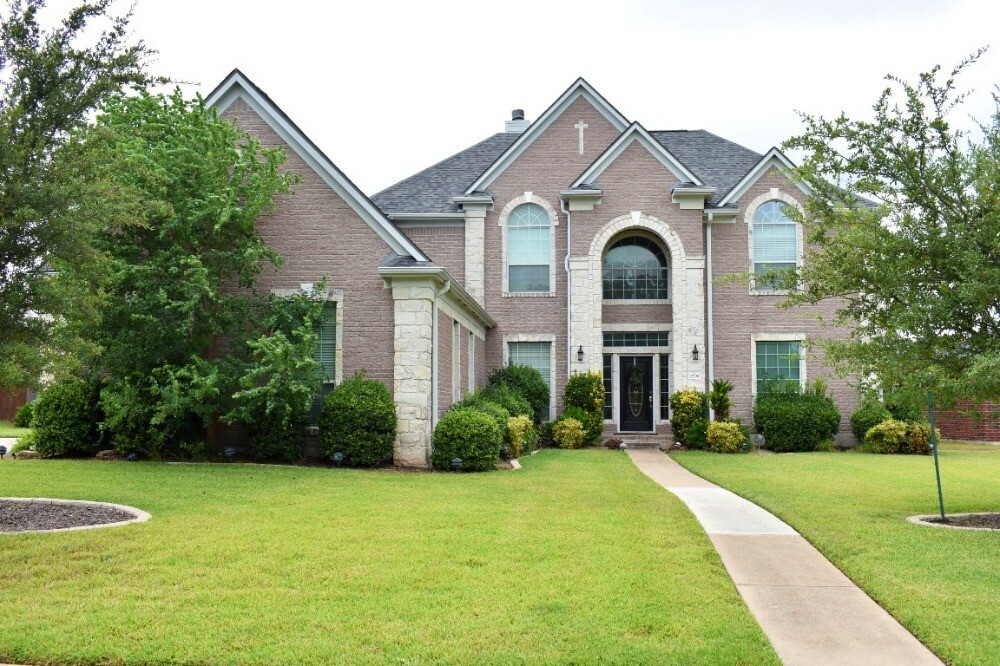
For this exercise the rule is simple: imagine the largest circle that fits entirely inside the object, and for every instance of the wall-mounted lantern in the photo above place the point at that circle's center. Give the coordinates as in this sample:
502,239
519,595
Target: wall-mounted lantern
694,354
579,354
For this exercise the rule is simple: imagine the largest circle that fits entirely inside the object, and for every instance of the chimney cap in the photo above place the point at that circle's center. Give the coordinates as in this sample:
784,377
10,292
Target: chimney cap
517,114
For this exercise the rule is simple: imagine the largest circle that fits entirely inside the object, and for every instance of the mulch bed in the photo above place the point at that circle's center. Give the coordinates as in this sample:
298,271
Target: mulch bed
990,521
31,516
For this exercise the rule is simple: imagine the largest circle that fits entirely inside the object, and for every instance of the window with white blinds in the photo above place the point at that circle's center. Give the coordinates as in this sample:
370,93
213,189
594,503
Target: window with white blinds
529,249
775,242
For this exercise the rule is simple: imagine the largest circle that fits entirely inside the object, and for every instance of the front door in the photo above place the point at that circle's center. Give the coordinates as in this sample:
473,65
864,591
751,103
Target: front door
636,393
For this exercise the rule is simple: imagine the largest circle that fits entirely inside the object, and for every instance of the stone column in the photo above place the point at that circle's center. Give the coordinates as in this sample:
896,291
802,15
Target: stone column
475,249
413,354
693,323
585,318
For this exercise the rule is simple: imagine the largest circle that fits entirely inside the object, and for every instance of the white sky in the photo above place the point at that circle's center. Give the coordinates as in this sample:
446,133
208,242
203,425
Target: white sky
386,89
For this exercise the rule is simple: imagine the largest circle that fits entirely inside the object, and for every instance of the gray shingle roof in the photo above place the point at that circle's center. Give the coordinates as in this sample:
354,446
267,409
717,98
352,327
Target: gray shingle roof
718,162
430,190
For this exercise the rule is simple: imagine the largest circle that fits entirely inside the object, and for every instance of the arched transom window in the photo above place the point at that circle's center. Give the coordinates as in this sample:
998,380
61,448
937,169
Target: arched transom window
635,268
529,249
775,243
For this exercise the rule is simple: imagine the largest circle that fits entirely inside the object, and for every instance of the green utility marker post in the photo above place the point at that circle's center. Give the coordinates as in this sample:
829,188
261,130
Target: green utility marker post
934,447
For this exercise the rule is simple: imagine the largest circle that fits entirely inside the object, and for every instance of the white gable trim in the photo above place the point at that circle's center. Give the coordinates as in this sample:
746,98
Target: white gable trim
772,158
237,86
637,132
580,88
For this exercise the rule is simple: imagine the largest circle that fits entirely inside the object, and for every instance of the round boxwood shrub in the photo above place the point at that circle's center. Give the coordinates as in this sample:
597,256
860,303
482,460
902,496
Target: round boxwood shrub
506,397
686,407
67,418
526,381
725,437
23,415
887,437
469,434
795,421
498,414
568,433
358,419
866,416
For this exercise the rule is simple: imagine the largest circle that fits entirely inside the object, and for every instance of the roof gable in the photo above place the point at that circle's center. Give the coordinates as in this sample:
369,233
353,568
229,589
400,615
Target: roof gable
772,158
238,86
636,133
579,89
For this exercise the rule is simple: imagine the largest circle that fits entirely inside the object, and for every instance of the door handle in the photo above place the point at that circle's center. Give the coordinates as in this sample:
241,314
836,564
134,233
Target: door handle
650,399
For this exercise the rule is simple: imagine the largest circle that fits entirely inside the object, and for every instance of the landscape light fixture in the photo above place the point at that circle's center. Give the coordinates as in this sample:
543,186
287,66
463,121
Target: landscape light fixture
456,464
230,453
3,451
504,453
338,458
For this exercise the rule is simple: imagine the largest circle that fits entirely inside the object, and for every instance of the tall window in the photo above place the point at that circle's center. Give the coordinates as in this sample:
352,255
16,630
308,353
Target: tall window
664,387
775,243
529,249
635,268
538,355
608,358
777,362
326,354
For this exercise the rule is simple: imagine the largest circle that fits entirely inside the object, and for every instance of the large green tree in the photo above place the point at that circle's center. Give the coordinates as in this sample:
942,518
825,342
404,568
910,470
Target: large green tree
903,227
183,325
53,194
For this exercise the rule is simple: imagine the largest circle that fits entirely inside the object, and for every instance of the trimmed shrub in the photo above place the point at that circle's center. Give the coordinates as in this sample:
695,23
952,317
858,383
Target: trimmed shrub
918,438
725,437
527,382
592,422
568,433
67,418
358,418
468,434
887,437
792,421
522,437
686,407
498,414
506,397
586,391
868,415
719,400
697,434
274,440
24,414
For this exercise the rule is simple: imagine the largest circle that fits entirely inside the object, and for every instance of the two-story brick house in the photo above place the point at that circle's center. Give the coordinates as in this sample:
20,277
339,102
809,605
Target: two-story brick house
580,241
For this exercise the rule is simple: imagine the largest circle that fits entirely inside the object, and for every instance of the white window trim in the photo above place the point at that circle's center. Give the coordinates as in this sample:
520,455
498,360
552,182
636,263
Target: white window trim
774,194
472,362
537,337
775,337
526,198
333,296
456,361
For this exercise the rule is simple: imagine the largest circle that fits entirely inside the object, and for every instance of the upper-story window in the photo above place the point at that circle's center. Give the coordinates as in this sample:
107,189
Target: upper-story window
635,268
775,244
529,249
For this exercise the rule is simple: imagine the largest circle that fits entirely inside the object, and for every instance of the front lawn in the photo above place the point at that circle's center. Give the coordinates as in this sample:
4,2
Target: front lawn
943,585
577,558
8,429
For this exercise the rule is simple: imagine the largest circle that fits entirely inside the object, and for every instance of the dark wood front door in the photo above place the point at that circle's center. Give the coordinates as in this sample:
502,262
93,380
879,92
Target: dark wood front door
636,393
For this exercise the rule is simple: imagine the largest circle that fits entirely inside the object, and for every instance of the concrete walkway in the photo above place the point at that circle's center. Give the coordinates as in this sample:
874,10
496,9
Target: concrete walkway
811,612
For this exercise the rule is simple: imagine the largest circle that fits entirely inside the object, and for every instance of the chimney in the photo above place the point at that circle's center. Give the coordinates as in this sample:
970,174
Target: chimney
517,124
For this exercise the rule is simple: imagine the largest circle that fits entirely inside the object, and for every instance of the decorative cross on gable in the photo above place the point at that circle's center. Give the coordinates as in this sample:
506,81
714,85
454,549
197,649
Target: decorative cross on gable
581,126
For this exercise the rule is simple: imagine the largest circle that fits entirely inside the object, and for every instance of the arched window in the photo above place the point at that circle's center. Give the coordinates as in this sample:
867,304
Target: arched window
775,243
635,268
529,249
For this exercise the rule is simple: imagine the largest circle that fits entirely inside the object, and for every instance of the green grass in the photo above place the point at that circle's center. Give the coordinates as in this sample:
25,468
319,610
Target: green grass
943,585
577,558
8,429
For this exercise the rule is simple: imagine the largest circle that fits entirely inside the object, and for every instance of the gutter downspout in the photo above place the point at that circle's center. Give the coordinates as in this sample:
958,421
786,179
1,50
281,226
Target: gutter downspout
569,288
710,347
434,354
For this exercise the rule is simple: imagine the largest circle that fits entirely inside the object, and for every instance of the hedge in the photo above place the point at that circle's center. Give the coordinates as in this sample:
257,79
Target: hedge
527,382
358,419
67,418
725,437
795,421
686,407
468,434
568,433
865,417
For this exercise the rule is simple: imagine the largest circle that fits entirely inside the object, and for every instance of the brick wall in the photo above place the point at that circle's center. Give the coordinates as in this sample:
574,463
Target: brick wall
445,245
444,365
954,424
629,314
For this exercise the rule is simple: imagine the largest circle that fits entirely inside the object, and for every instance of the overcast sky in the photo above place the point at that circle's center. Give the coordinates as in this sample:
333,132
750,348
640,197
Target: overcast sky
386,89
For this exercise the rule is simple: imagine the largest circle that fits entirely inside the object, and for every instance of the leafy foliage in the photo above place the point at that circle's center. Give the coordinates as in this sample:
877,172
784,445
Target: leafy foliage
794,420
506,397
568,433
686,406
696,436
586,391
469,434
719,400
902,227
868,415
55,194
358,419
522,437
592,422
527,382
24,414
886,437
66,418
725,437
